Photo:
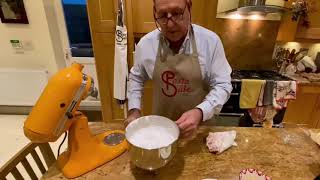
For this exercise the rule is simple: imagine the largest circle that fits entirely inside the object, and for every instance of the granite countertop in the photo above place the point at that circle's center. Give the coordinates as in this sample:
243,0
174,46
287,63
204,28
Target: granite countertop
302,80
280,153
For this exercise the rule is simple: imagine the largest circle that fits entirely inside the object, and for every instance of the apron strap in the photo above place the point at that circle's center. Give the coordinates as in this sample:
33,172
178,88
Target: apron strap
192,42
161,47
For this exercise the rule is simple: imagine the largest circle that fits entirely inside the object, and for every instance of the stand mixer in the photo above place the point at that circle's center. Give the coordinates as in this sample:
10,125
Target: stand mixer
56,112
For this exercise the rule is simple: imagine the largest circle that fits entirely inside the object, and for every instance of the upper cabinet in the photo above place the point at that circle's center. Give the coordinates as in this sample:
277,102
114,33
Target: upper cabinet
294,31
102,15
142,11
313,32
203,13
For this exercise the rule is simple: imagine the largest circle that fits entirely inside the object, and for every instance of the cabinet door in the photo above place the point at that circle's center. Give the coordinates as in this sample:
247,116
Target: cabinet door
102,19
300,111
291,30
316,114
204,13
288,28
102,15
142,12
313,32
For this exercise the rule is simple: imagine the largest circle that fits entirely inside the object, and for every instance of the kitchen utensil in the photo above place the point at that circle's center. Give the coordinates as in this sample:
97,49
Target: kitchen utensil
300,67
298,57
288,53
283,67
291,69
270,113
309,63
292,55
157,156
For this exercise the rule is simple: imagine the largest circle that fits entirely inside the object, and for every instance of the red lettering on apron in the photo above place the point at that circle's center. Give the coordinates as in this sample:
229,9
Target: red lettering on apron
166,77
178,83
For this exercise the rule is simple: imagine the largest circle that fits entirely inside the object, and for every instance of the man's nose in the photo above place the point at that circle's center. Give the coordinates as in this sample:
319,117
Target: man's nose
170,23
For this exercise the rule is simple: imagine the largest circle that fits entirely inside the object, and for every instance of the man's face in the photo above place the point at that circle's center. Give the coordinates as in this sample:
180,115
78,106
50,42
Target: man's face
177,26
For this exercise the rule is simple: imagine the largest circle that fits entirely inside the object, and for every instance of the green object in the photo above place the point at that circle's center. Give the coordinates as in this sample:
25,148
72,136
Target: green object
16,44
14,41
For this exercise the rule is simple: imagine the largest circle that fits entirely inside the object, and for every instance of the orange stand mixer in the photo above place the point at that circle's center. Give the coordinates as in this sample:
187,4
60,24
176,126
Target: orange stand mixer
56,112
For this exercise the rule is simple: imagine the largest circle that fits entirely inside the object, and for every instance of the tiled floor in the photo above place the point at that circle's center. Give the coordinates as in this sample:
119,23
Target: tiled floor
12,138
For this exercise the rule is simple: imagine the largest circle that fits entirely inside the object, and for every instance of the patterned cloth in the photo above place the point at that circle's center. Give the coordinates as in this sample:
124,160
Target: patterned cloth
283,92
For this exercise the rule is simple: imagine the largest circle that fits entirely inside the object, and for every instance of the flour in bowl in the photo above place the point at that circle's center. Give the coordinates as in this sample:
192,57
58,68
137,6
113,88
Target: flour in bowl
152,137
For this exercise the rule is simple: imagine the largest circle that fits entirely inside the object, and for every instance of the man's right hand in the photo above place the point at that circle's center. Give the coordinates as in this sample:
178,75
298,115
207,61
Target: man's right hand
133,115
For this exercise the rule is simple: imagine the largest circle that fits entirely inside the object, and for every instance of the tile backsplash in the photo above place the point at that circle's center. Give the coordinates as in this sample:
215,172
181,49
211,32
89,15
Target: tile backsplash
313,48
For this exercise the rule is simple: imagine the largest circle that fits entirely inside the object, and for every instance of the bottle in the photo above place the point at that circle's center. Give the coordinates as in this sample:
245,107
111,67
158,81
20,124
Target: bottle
268,122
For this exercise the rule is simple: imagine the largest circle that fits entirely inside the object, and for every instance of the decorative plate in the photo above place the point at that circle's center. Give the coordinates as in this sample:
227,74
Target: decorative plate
253,174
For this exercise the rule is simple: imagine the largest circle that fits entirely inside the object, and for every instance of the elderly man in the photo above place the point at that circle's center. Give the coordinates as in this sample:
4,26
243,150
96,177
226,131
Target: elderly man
187,63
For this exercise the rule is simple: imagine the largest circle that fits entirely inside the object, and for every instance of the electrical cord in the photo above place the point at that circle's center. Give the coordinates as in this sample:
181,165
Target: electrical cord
64,138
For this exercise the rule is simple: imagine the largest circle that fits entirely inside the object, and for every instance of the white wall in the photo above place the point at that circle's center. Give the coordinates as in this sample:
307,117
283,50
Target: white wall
38,52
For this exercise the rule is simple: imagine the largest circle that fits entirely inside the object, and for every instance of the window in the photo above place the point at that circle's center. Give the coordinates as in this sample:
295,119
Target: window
77,23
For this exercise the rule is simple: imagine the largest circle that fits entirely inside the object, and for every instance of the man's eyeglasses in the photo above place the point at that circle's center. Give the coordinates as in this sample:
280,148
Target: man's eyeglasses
174,16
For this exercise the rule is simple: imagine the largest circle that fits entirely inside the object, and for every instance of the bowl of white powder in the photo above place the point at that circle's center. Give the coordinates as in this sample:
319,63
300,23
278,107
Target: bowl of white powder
153,141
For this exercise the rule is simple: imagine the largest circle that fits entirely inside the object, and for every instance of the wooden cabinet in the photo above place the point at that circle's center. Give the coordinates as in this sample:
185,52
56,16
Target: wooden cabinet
204,13
102,15
294,31
313,32
316,114
142,11
305,110
102,18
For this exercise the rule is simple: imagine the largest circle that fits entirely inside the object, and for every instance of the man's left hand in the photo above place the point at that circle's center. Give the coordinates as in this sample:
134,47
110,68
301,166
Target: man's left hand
189,122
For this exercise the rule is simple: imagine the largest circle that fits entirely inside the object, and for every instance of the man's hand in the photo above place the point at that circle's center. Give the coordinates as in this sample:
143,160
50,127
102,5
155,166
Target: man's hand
189,122
133,115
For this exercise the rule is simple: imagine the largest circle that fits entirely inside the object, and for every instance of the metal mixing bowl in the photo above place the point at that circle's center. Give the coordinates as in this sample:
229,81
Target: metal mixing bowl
151,159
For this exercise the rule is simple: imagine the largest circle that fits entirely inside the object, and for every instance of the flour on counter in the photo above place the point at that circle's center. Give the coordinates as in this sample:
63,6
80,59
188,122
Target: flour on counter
152,137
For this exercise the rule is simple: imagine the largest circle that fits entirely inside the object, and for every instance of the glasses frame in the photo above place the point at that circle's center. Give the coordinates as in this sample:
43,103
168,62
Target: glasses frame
174,18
